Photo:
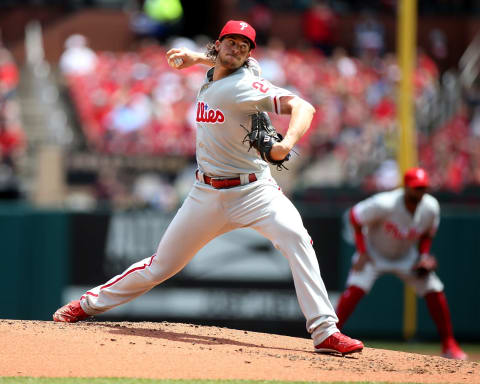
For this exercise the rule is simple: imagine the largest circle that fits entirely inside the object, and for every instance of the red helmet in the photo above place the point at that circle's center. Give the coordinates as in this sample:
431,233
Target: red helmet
239,27
416,177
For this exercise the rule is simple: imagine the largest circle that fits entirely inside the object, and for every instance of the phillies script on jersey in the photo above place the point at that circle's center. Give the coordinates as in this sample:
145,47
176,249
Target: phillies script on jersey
204,115
392,228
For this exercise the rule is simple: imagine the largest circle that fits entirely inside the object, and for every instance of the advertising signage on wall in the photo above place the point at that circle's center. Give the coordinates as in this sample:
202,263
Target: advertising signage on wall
237,276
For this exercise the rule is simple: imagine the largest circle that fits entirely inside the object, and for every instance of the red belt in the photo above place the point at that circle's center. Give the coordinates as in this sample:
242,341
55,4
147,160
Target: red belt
225,183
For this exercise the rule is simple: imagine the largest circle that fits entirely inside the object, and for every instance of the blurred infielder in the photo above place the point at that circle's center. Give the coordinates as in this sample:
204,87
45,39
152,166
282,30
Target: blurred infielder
393,234
233,188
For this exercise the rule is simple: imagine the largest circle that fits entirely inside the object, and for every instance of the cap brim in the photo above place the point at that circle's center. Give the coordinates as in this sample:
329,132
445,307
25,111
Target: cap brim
252,43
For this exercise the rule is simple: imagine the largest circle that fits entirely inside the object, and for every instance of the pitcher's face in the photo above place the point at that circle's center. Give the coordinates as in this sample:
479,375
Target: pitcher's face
233,51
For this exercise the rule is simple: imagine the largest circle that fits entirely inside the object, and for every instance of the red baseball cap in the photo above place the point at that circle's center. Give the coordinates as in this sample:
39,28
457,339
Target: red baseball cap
415,178
239,27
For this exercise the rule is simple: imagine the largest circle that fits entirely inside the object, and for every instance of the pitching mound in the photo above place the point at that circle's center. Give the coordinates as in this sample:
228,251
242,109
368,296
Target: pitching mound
168,350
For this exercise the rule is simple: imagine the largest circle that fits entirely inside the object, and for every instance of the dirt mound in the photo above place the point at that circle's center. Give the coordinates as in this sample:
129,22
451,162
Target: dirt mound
171,350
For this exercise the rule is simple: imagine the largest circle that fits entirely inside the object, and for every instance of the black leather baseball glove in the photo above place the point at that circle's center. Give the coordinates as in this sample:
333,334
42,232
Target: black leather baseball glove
427,263
263,136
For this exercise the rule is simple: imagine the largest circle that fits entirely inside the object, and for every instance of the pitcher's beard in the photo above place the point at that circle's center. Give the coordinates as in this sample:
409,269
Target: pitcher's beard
229,63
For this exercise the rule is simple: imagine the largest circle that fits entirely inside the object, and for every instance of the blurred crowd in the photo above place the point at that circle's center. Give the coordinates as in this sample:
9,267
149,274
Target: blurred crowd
12,137
452,153
134,103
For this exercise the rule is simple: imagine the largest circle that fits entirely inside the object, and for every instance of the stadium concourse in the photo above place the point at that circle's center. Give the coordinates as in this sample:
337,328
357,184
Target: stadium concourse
133,103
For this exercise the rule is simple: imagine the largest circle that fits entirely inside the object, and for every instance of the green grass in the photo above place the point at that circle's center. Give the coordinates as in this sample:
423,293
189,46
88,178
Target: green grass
431,348
407,346
412,346
33,380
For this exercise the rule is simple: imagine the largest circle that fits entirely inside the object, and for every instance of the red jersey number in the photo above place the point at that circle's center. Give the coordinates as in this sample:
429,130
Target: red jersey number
260,86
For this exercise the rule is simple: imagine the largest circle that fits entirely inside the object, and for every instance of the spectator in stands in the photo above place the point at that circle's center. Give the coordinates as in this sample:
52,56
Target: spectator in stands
261,17
77,58
9,76
346,66
438,47
155,191
129,116
12,138
271,62
369,37
472,100
319,23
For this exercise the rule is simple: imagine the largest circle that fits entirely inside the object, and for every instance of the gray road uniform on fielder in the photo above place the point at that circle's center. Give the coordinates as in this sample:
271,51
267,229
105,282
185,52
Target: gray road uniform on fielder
223,106
392,235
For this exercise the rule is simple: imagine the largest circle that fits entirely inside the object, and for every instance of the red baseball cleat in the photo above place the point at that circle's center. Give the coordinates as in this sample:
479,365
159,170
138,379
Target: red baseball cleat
70,313
339,343
452,351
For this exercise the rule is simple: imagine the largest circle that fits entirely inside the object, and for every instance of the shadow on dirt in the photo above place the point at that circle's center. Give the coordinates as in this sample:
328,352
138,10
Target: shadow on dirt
191,338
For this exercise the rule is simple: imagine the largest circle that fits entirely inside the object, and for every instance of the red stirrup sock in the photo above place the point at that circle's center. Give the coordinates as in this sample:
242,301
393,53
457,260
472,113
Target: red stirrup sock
438,308
347,303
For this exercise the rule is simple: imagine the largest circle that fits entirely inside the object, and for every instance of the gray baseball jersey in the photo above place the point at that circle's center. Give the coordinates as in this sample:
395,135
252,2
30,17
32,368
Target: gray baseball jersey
391,230
223,109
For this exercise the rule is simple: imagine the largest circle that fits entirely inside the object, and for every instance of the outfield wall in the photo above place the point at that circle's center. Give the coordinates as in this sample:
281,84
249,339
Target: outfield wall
239,280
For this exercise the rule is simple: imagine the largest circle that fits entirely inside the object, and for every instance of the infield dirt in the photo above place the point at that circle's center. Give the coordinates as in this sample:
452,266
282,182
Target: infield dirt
173,350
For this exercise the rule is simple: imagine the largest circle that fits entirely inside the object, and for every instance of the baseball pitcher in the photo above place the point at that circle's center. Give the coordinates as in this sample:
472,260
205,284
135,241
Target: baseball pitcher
233,188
